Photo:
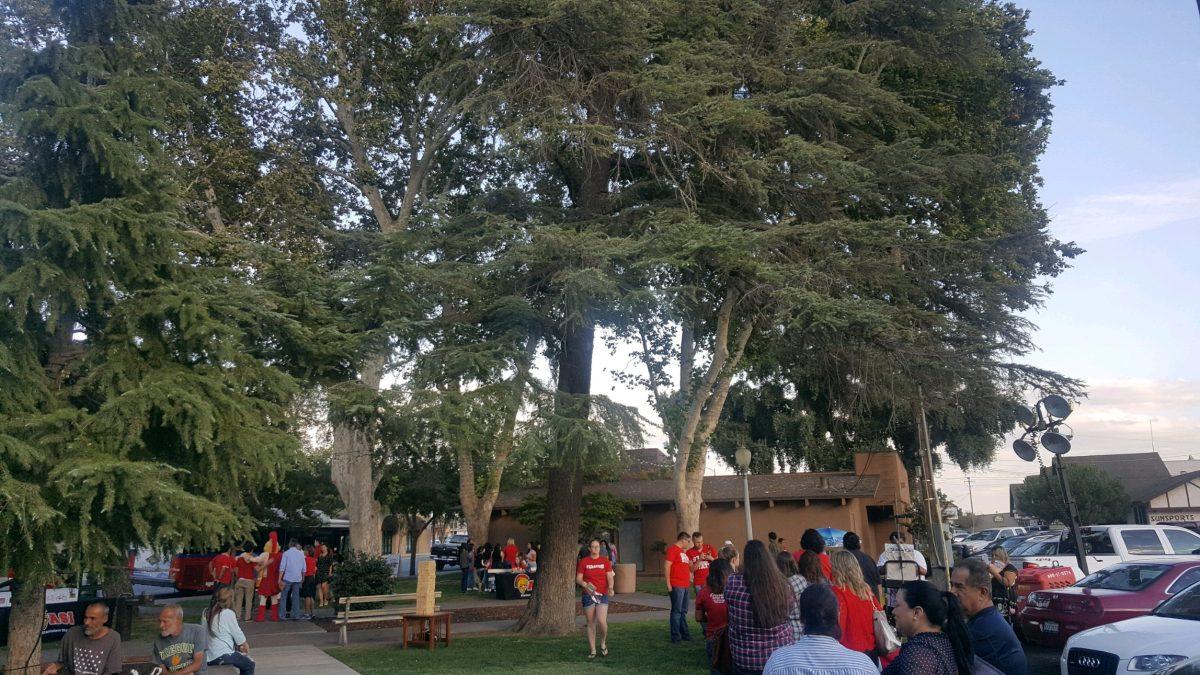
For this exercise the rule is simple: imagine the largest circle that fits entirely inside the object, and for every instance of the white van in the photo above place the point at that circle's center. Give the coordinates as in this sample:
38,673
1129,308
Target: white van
1107,545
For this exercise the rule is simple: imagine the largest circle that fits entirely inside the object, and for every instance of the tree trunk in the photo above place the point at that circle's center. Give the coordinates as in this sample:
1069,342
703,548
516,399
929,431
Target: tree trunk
353,472
551,611
25,627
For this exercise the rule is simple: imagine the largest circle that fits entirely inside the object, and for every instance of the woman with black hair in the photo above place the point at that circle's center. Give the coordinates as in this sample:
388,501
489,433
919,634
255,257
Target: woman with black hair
759,601
791,572
812,542
711,611
938,641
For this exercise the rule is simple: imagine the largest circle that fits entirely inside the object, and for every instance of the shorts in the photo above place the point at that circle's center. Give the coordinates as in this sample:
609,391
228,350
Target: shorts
599,599
308,587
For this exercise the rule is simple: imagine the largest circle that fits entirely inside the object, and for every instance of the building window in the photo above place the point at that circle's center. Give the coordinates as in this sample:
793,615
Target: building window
387,543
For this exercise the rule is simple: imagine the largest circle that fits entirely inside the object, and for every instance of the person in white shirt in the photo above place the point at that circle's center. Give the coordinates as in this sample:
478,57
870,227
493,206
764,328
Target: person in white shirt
226,642
291,575
819,651
893,555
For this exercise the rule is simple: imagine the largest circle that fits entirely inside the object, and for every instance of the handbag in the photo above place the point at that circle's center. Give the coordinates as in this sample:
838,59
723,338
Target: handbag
886,640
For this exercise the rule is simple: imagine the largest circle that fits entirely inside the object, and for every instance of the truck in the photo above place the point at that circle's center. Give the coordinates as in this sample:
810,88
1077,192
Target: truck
1106,545
446,552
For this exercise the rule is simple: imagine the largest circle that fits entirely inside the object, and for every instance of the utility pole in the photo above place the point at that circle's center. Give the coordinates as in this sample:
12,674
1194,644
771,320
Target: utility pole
971,494
937,539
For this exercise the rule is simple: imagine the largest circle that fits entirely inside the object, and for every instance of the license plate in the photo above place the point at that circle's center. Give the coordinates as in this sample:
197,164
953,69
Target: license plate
1050,627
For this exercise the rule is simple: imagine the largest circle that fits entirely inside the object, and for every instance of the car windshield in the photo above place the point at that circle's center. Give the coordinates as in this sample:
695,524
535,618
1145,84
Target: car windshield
1036,547
1012,543
986,535
1185,605
1131,577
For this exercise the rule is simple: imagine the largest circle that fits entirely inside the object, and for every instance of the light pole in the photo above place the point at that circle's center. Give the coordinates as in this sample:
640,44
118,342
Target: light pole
742,457
1045,425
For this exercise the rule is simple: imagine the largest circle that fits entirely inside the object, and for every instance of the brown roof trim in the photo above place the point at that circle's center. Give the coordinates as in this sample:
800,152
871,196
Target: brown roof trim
763,487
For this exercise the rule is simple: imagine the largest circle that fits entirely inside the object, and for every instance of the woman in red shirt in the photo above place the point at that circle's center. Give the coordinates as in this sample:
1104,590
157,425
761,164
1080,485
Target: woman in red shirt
510,554
594,574
711,610
812,541
856,604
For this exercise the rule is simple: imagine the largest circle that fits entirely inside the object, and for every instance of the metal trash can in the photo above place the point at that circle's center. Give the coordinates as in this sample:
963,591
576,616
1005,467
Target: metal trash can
626,578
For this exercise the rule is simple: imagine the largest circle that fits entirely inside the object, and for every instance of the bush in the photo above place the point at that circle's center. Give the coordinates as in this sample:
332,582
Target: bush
361,574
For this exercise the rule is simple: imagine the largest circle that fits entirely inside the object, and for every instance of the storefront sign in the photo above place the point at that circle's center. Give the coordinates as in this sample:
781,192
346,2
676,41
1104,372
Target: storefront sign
1174,516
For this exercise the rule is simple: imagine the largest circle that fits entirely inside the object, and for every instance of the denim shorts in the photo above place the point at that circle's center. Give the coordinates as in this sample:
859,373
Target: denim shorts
588,602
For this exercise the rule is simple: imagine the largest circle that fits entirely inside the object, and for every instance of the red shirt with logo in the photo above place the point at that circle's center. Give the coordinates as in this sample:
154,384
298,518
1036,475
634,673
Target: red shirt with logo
595,572
510,554
681,567
700,568
223,567
716,612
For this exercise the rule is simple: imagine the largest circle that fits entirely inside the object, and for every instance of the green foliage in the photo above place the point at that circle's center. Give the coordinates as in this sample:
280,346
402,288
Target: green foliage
361,574
141,402
1099,497
600,512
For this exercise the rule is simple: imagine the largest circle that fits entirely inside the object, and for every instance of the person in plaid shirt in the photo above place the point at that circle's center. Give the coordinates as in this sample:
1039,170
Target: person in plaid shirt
759,601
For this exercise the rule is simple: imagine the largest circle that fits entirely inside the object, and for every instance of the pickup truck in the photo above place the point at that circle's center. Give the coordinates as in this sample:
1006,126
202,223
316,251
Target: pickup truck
1106,545
983,539
446,552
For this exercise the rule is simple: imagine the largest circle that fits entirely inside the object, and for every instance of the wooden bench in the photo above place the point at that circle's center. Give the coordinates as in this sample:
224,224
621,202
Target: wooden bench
347,615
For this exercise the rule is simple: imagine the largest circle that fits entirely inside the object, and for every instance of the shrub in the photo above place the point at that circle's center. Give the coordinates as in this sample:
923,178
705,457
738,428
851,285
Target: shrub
361,574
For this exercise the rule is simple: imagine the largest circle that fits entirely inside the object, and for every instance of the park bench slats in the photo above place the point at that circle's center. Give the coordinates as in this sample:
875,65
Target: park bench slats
347,615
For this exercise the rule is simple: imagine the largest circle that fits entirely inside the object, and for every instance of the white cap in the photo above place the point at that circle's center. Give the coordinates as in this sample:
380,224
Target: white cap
728,542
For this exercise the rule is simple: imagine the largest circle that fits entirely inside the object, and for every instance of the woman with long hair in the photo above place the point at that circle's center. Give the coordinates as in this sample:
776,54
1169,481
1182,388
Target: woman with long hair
226,643
759,600
856,604
711,611
791,572
938,641
594,574
1004,583
810,568
324,568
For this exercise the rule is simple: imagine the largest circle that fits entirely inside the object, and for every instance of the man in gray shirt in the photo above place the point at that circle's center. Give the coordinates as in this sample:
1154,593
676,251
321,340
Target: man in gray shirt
90,649
179,648
291,575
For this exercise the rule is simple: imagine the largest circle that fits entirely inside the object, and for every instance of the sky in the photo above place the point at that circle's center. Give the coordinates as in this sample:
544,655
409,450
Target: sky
1122,180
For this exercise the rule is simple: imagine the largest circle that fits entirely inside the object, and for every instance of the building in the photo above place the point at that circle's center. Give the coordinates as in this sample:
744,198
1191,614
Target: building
1158,494
866,500
1179,467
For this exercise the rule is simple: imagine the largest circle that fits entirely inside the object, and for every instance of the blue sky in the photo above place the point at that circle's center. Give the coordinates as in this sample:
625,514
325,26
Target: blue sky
1122,178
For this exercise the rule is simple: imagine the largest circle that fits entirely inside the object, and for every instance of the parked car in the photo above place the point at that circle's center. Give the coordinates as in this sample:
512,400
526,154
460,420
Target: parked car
958,534
1107,545
984,538
446,552
1155,642
1010,544
1122,591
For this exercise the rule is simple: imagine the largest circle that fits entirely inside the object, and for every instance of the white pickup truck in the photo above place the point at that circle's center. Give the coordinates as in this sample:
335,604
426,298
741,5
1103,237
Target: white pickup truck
1106,545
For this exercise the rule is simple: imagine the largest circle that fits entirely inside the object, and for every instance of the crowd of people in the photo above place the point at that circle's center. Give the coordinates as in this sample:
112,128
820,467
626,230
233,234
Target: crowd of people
475,561
809,611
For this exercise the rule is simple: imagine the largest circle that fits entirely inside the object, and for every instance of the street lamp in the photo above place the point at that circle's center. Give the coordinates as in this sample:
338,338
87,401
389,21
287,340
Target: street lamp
1045,424
742,458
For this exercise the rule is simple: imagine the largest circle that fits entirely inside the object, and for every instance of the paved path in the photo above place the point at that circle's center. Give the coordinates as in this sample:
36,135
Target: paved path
302,659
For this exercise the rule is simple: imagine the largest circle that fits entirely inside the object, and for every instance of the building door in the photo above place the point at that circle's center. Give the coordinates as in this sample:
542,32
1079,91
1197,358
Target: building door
629,542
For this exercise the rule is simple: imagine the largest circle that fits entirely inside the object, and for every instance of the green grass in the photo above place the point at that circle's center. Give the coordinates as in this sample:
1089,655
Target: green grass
652,586
638,647
446,583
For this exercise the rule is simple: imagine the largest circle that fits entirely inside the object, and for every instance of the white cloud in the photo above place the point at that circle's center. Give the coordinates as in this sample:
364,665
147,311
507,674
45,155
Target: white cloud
1102,216
1115,418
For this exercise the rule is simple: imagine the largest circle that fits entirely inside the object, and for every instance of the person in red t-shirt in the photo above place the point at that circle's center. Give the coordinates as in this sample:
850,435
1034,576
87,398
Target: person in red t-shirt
308,587
510,554
594,574
222,568
857,604
677,569
243,589
711,610
701,555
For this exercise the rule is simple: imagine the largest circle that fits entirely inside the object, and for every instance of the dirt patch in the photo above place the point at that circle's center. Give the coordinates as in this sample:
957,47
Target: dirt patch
474,614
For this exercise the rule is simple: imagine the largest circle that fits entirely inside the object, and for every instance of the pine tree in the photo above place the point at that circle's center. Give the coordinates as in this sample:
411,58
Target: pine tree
139,406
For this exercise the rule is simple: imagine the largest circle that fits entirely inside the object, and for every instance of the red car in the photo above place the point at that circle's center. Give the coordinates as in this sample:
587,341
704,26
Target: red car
1122,591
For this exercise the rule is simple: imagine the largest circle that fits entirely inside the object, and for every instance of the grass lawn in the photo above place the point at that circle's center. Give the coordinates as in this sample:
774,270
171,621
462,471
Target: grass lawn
639,647
450,583
652,586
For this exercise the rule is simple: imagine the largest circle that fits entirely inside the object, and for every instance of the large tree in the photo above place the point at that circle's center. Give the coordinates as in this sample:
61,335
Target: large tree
139,407
381,90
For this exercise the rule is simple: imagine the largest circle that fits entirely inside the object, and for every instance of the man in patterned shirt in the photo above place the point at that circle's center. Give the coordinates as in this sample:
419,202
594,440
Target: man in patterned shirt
90,649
